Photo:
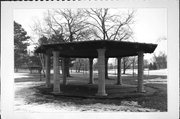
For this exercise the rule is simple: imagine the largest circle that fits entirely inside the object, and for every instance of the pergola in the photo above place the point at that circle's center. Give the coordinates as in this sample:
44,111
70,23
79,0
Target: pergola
100,49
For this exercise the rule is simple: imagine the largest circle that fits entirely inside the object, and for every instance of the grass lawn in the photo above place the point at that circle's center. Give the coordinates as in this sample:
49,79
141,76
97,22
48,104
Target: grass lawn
31,95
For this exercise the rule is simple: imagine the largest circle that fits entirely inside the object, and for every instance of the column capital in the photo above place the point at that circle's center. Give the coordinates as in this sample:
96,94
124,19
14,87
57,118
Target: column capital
91,58
101,50
48,52
54,52
141,52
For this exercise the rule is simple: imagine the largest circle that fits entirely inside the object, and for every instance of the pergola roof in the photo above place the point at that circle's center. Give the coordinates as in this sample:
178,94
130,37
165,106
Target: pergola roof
88,49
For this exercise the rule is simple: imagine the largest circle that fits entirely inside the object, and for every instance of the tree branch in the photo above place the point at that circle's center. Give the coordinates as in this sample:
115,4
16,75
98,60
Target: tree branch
94,26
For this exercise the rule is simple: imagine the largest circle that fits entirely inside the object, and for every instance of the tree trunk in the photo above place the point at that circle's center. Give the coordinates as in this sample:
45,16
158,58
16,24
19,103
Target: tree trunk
106,68
76,68
79,68
67,70
44,73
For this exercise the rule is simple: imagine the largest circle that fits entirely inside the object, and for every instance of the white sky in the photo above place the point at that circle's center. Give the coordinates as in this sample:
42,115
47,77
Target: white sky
150,25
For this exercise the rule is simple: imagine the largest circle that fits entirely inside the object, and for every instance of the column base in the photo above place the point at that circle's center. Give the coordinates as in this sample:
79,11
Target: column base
141,91
56,88
119,84
101,94
64,83
91,83
57,93
48,86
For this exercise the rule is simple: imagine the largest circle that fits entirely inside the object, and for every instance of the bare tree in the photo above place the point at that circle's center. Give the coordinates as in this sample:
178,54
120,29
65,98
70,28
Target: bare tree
73,22
109,26
62,25
81,63
70,24
47,32
85,24
74,27
134,62
160,60
126,64
39,32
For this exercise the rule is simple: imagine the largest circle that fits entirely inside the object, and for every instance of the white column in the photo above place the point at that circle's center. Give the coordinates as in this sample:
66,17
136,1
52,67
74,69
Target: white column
91,79
56,78
64,71
101,72
48,67
119,80
140,87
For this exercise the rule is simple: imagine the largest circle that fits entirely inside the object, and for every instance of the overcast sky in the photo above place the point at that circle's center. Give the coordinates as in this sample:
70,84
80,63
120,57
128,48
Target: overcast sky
149,26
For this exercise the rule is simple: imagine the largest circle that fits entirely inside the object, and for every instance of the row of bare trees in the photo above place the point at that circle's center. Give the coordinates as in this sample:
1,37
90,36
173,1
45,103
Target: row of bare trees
84,24
71,25
159,61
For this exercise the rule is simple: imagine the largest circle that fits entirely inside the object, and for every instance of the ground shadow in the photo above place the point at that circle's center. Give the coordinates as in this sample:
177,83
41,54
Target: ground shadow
43,95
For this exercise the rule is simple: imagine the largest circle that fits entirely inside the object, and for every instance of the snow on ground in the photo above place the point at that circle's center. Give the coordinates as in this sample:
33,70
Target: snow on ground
58,105
23,91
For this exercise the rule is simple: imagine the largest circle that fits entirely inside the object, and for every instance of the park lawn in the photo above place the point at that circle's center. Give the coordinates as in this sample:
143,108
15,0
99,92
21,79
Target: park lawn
33,96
